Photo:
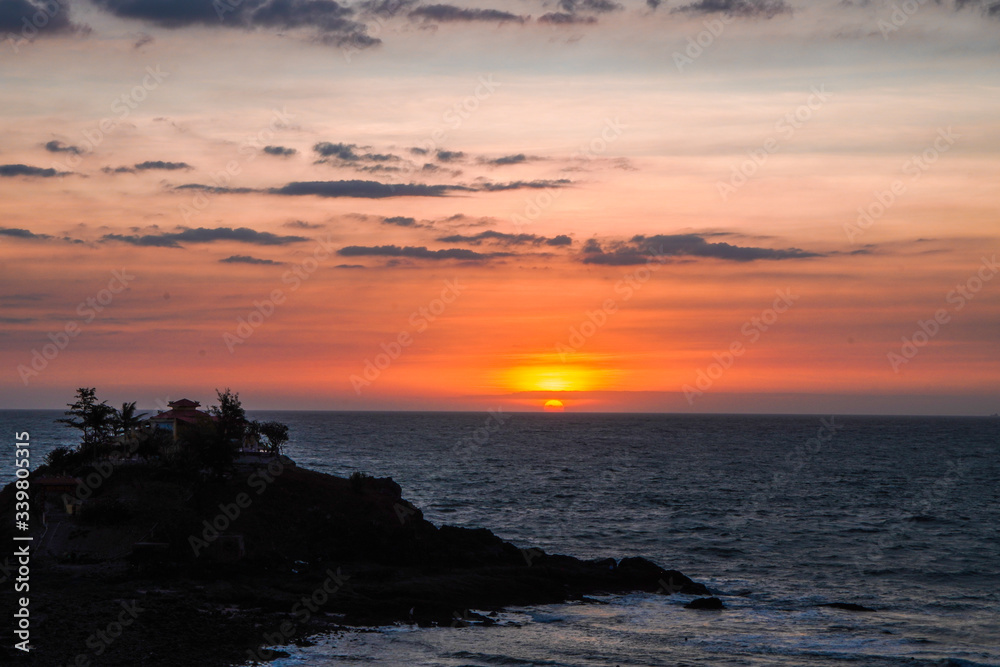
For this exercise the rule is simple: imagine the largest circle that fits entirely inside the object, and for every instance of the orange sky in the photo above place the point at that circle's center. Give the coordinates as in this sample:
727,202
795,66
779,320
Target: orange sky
483,212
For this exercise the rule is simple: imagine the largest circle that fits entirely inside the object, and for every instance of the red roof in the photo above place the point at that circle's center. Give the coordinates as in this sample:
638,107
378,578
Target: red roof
190,416
184,403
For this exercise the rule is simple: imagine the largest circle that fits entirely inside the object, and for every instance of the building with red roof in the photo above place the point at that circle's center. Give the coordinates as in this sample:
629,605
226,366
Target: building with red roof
182,414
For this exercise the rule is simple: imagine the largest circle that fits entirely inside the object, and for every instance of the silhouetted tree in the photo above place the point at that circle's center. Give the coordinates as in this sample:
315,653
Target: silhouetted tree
92,418
275,435
125,420
231,417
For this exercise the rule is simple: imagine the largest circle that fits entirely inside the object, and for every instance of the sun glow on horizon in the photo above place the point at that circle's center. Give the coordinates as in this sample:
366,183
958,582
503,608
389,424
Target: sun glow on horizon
551,377
554,405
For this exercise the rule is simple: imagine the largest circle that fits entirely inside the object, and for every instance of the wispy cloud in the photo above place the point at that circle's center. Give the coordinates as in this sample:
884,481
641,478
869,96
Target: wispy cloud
204,235
247,259
56,146
160,164
743,8
641,249
503,238
280,151
452,14
331,20
418,252
18,233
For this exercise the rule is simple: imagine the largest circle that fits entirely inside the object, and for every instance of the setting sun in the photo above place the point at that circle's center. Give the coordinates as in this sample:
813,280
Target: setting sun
554,405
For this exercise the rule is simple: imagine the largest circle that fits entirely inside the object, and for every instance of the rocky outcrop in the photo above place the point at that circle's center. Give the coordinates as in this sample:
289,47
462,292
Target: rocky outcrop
268,555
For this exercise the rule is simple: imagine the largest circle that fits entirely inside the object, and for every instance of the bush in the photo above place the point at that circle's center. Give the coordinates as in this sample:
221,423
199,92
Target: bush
65,461
359,480
104,513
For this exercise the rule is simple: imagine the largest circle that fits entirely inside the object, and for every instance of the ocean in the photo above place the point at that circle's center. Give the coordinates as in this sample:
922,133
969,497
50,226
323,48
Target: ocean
780,515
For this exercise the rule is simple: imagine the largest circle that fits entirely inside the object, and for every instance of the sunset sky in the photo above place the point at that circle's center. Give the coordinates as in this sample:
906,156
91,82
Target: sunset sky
709,206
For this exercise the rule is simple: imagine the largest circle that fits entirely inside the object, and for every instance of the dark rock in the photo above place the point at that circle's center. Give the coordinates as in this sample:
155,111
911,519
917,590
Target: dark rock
305,531
847,606
705,603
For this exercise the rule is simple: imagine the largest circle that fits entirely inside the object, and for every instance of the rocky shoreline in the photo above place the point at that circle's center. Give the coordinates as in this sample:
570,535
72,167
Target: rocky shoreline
268,556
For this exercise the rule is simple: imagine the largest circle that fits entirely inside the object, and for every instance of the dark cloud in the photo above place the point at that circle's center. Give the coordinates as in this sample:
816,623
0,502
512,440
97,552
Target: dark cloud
380,157
401,221
118,170
11,170
653,4
380,169
990,8
451,13
502,238
160,164
562,18
19,18
641,249
247,259
523,185
418,151
22,234
340,151
745,8
346,155
385,8
597,6
280,151
149,241
376,189
417,252
216,190
506,160
205,235
55,146
448,156
302,224
364,189
350,266
330,19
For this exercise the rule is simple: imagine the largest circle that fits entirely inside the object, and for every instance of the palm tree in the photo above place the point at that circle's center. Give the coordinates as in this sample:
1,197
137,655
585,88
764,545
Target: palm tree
125,420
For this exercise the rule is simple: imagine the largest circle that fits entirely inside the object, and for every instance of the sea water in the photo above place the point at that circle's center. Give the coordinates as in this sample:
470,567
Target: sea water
780,515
